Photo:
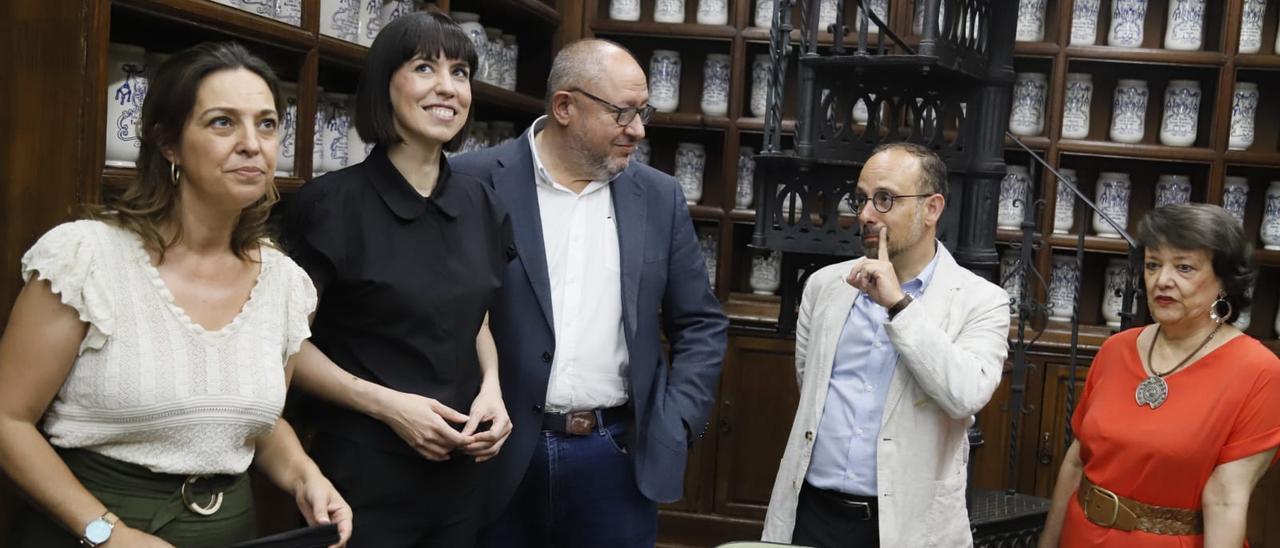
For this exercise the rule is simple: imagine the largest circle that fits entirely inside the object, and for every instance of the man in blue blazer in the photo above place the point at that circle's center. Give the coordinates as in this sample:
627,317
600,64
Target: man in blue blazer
608,264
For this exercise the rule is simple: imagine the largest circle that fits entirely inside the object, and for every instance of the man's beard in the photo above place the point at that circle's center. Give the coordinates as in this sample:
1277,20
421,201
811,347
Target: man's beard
597,164
898,243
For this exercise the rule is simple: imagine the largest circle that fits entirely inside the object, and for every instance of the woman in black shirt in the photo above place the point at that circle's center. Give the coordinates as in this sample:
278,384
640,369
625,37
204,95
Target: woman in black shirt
406,256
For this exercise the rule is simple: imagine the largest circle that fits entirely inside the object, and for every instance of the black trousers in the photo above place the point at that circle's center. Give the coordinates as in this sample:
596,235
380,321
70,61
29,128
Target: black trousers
826,519
401,499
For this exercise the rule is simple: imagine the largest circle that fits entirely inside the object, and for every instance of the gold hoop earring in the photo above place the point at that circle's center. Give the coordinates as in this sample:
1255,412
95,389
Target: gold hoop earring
1213,310
174,174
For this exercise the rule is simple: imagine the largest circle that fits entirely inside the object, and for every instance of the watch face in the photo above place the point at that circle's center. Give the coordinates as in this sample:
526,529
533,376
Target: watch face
98,531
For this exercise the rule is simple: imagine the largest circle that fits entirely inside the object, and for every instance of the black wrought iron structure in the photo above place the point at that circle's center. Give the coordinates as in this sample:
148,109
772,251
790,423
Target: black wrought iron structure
924,95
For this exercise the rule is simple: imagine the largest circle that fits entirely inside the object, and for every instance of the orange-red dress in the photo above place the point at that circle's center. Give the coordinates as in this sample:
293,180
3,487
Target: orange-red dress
1223,407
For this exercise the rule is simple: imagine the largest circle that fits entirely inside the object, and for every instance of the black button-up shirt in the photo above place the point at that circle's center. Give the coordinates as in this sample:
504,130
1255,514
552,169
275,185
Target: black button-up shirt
405,281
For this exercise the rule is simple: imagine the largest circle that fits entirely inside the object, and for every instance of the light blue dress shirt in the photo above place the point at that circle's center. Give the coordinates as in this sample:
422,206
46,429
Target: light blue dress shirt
844,453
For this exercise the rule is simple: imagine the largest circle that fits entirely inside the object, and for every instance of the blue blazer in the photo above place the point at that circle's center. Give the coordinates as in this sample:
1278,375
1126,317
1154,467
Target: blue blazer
665,291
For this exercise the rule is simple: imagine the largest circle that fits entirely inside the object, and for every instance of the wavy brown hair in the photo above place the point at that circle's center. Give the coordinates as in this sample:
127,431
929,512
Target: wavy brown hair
151,199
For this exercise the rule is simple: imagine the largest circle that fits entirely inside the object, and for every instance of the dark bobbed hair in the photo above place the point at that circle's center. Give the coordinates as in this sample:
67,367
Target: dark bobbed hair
1210,228
419,34
933,171
151,198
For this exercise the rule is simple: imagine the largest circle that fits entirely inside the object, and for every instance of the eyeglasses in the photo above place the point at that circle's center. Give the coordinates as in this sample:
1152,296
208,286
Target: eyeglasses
882,200
624,114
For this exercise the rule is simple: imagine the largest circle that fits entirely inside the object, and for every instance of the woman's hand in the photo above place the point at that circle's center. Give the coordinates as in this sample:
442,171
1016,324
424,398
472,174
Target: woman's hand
127,537
320,503
423,423
488,406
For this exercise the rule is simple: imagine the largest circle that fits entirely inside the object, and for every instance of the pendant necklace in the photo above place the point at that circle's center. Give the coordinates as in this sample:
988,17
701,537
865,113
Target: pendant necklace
1153,391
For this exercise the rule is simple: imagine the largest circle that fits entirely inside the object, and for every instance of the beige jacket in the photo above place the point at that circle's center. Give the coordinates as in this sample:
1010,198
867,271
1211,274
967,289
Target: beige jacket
951,345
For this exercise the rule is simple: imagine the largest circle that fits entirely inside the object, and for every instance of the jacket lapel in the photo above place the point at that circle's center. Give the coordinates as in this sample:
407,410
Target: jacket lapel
629,210
836,308
517,188
936,301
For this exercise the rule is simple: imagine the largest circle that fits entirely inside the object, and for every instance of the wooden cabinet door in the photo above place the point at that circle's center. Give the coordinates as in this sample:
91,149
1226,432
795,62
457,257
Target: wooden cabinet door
758,399
991,461
1053,420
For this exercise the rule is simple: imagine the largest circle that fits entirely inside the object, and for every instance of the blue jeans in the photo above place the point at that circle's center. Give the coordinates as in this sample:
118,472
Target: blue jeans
579,491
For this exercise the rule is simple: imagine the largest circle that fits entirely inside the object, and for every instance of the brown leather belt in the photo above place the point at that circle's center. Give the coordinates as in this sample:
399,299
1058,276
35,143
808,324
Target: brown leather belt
581,423
1108,509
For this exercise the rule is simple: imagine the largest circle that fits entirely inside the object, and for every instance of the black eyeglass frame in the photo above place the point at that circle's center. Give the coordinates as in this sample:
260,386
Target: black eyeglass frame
853,200
644,112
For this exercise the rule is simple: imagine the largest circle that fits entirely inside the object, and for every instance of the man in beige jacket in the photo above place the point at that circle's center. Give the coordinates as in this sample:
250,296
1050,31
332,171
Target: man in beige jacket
890,375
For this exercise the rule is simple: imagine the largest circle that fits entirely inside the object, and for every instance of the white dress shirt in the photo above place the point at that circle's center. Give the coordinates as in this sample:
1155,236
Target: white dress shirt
580,237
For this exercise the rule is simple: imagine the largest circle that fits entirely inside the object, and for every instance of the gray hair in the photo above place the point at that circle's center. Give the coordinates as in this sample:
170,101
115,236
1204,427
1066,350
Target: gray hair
578,63
1208,227
933,172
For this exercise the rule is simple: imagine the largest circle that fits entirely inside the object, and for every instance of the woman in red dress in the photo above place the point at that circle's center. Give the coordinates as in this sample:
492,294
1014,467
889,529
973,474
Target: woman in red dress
1179,419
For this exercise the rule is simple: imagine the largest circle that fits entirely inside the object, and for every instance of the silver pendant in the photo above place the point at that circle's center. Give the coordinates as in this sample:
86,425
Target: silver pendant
1152,391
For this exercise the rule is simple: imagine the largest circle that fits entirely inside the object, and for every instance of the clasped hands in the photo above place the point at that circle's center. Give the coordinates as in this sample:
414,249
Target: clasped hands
876,277
428,426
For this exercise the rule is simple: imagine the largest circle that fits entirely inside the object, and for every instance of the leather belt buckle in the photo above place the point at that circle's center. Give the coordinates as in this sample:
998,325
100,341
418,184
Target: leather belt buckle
581,423
1096,507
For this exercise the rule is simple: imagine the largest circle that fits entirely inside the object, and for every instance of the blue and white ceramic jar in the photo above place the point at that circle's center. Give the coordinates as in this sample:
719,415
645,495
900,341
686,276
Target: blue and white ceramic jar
709,243
760,68
289,12
337,125
1251,25
285,159
691,162
766,272
624,10
1064,205
1270,229
641,153
1030,21
744,196
1172,189
715,85
126,90
668,11
827,15
664,80
510,60
1084,22
1111,195
1181,118
764,14
1064,282
1027,114
1127,19
712,12
1015,187
317,135
1011,276
1113,291
1184,29
340,19
371,21
1076,104
1129,111
265,8
1244,107
878,7
1235,197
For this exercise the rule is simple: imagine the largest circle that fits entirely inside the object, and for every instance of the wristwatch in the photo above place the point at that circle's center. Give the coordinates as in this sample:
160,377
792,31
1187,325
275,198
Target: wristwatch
898,306
98,531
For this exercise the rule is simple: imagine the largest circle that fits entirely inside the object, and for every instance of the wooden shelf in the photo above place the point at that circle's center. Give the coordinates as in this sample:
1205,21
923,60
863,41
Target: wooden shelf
117,178
705,213
687,120
1096,244
1034,142
225,19
743,216
757,124
523,10
1266,257
342,51
1257,60
1139,151
757,35
672,30
749,308
1035,49
1145,55
489,94
1250,158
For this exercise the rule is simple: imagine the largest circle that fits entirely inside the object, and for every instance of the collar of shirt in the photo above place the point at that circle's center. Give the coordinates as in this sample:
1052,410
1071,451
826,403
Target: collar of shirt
916,286
543,177
400,196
